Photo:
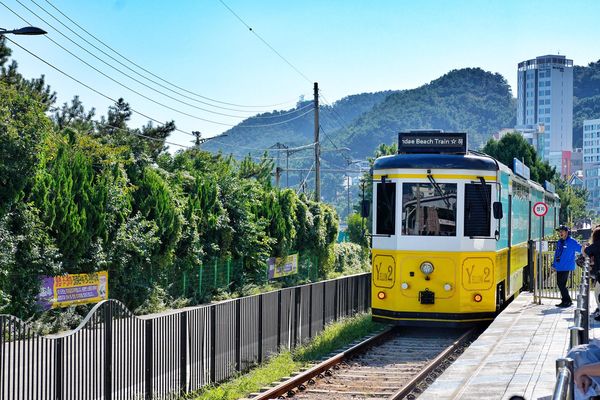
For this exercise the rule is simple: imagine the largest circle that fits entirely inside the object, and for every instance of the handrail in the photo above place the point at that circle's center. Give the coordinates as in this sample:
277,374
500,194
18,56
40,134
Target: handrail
564,379
579,334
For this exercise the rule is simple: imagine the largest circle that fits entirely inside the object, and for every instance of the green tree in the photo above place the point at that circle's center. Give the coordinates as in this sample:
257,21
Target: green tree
572,202
513,145
357,230
72,199
155,201
22,132
26,252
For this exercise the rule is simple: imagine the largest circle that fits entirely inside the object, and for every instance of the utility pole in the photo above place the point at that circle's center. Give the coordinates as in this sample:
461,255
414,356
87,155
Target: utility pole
198,140
348,191
317,148
277,176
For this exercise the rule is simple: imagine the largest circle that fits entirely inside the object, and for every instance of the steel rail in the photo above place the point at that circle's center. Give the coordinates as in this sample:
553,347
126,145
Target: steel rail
405,391
285,387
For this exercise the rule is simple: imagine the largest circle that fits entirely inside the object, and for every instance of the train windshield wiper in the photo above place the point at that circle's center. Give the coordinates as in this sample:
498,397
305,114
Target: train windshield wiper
439,190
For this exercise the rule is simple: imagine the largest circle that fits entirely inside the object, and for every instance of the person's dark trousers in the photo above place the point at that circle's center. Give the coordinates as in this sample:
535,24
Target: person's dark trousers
561,281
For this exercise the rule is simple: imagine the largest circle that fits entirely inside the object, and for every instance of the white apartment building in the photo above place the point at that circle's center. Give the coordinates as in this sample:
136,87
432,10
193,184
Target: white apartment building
545,105
591,161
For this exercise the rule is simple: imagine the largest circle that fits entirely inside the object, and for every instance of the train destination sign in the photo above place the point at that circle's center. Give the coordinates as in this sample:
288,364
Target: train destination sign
418,142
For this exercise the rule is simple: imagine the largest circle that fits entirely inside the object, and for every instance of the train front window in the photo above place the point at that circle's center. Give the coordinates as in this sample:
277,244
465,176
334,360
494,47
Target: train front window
386,208
429,210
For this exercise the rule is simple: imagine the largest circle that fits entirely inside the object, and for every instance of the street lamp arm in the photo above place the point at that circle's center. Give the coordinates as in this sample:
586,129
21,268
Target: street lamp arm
28,30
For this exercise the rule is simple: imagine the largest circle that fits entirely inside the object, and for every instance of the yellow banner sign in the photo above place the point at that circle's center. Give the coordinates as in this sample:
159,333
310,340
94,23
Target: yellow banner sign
279,266
69,290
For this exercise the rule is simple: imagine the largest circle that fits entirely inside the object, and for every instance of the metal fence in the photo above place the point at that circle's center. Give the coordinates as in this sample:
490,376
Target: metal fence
546,287
115,355
564,388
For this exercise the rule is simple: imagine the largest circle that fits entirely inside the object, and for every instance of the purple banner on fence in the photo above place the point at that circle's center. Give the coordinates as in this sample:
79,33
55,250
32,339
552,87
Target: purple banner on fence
68,290
46,295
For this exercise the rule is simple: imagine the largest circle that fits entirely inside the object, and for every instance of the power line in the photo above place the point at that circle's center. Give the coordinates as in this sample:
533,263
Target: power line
343,123
152,100
89,87
308,146
265,42
135,79
152,74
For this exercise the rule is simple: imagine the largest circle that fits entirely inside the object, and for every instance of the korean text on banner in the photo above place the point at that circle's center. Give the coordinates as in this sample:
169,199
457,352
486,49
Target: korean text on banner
68,290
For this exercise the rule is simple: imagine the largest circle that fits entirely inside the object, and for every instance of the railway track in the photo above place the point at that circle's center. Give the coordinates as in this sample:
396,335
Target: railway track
393,365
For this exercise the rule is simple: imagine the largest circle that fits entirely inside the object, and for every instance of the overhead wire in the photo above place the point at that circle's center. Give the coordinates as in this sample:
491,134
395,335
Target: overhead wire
152,100
135,79
89,87
98,123
265,42
261,149
154,75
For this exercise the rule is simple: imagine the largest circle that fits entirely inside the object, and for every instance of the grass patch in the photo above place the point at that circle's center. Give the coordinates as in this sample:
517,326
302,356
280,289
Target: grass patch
279,366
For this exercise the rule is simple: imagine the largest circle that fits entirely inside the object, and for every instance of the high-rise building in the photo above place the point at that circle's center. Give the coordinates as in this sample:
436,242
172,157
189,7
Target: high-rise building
545,106
591,161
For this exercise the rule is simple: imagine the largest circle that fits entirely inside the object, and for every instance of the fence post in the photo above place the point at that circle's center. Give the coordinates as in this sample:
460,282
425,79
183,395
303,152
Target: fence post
530,264
183,352
335,301
238,334
586,306
568,364
149,359
58,367
574,336
108,350
278,319
297,315
368,293
260,328
578,317
324,306
310,311
213,340
355,303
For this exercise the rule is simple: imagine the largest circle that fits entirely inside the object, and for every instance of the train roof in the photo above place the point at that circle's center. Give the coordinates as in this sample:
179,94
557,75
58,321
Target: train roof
429,161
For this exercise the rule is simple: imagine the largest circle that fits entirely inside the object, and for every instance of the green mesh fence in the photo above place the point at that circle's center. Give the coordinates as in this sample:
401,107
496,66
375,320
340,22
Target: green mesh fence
226,275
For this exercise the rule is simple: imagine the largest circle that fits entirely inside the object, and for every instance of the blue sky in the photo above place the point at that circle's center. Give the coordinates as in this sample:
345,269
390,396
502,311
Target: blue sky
347,46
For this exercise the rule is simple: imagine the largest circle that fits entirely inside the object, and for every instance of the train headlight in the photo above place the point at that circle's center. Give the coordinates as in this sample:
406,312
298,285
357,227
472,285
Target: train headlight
477,298
447,287
427,268
381,295
404,285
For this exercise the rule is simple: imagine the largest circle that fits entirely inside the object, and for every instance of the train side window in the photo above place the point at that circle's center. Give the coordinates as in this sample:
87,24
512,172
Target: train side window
477,209
386,208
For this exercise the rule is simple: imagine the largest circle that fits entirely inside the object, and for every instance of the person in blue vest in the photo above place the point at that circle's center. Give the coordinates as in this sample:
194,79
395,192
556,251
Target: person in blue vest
564,262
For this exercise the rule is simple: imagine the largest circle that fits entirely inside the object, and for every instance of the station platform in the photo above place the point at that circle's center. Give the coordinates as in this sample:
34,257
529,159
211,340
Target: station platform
515,356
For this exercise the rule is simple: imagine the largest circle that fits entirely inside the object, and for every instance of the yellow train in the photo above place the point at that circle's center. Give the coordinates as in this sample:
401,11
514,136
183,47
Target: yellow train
450,231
